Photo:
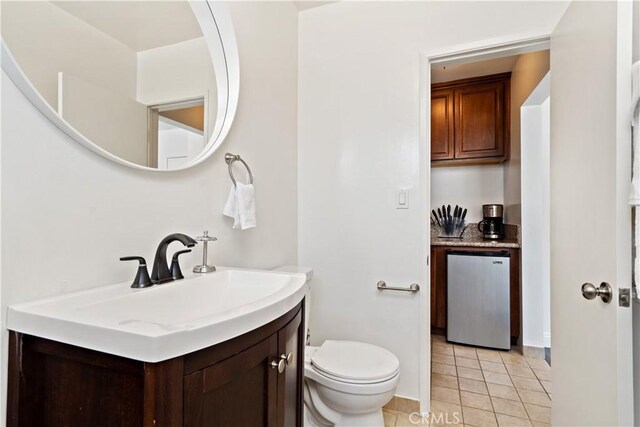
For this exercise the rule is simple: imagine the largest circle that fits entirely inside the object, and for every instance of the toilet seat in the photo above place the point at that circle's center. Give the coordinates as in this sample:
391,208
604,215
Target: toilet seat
355,362
351,388
352,367
351,381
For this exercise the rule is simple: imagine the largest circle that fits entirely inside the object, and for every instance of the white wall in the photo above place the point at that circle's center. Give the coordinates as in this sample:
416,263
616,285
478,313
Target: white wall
545,114
536,211
177,72
30,29
111,120
467,186
527,72
69,214
99,74
359,142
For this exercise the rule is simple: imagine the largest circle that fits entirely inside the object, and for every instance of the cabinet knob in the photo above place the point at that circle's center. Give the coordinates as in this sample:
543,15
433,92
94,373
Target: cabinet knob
288,358
280,365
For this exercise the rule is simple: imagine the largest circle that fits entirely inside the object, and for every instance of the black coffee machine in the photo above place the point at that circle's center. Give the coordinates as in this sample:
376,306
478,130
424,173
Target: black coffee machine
492,226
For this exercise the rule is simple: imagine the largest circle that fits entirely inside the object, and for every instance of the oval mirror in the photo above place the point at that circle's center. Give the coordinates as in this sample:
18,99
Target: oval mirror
148,84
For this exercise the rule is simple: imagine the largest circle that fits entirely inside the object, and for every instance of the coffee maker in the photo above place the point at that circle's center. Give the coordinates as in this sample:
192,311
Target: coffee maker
492,226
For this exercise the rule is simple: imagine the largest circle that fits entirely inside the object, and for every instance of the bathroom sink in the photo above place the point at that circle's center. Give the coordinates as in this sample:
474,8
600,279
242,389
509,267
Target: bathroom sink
163,321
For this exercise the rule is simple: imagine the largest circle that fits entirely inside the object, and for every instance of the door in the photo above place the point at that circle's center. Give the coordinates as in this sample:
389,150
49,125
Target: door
442,124
590,216
480,121
236,392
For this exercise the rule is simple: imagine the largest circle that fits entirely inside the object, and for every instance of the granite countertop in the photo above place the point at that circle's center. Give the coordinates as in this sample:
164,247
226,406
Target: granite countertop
473,238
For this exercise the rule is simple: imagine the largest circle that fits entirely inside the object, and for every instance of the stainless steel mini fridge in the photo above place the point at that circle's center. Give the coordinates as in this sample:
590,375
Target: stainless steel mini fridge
478,299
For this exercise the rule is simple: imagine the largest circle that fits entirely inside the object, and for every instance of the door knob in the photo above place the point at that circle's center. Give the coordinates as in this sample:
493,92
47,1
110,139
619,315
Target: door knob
280,365
603,291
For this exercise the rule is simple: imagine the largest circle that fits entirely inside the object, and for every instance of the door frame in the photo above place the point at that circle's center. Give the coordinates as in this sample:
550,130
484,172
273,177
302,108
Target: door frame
535,158
625,356
480,50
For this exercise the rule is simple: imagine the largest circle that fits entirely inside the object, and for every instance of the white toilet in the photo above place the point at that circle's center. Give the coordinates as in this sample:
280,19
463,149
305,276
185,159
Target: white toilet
346,382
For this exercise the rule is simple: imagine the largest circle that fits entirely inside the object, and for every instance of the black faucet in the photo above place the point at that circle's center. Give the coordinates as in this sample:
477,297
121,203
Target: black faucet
161,272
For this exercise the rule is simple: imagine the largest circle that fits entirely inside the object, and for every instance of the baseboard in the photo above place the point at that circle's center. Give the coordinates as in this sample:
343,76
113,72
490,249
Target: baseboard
403,405
536,352
546,339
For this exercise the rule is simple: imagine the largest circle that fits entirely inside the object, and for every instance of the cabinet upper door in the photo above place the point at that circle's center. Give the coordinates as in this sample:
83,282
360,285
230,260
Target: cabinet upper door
239,391
480,120
290,391
442,136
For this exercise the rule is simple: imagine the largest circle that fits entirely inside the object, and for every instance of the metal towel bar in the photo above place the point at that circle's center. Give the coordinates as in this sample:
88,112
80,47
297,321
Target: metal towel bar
230,158
413,288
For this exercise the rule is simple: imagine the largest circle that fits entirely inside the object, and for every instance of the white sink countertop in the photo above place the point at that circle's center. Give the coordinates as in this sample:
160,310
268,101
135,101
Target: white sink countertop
163,321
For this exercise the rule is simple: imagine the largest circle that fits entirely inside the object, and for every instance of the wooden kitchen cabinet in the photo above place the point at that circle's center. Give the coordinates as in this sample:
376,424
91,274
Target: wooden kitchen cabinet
439,287
228,384
442,137
470,121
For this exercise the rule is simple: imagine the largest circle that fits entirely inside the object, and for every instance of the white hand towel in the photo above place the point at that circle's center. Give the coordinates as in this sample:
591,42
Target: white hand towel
241,206
246,205
231,207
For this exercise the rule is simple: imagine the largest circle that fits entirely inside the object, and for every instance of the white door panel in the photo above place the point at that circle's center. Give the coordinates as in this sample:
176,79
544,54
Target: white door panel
590,217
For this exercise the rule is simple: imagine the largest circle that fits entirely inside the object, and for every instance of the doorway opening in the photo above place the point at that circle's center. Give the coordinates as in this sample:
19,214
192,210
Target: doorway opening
481,116
176,133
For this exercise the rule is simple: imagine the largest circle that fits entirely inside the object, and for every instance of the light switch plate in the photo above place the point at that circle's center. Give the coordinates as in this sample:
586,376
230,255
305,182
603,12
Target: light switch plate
402,199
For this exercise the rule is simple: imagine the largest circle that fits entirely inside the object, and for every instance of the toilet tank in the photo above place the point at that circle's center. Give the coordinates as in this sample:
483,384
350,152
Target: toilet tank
308,271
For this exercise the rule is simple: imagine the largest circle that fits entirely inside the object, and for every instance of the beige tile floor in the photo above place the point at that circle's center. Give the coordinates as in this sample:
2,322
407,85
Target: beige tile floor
479,387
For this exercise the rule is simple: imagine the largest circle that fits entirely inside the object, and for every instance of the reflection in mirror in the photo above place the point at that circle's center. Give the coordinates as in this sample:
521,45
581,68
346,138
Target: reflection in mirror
134,77
176,133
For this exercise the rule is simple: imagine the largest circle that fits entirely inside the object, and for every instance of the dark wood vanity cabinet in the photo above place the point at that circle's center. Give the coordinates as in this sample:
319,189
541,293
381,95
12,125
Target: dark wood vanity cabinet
233,391
246,390
470,120
439,287
232,383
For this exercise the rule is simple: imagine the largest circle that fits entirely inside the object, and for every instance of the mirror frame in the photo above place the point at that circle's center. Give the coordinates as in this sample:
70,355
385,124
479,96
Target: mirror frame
217,29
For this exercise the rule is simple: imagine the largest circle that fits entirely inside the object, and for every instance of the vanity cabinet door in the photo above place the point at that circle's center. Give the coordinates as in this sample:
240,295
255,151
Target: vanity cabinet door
241,390
290,391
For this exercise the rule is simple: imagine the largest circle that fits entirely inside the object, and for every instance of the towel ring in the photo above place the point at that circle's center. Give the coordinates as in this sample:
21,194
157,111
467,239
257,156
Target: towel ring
230,158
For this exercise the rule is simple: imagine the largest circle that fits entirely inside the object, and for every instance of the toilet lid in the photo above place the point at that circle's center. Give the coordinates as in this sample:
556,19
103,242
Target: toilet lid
356,361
